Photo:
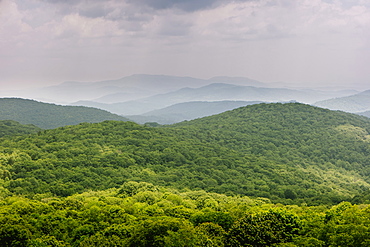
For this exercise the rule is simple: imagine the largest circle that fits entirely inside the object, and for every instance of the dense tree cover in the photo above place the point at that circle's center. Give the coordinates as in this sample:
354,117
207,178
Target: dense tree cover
141,214
296,141
10,127
49,116
290,153
197,183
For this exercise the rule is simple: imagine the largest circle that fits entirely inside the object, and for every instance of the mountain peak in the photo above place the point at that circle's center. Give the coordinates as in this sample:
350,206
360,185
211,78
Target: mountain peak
244,81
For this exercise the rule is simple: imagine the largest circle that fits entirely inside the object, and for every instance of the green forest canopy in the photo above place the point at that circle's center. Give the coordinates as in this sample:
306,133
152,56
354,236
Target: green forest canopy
289,153
49,116
144,215
10,127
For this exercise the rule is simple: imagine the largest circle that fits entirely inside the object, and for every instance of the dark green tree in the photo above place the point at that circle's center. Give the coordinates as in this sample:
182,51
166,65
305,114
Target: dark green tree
264,229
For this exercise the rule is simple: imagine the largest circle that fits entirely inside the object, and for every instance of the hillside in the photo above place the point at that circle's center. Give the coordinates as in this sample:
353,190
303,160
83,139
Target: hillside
290,153
355,103
11,128
49,116
188,111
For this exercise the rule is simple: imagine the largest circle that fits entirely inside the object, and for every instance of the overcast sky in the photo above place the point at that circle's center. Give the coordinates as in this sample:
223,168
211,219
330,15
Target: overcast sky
302,42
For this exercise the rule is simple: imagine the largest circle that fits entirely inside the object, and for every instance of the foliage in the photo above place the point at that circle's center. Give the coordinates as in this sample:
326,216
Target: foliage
264,229
289,153
49,116
11,128
108,218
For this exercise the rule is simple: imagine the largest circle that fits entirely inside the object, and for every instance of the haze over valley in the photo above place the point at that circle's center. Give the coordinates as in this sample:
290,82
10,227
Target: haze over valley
148,97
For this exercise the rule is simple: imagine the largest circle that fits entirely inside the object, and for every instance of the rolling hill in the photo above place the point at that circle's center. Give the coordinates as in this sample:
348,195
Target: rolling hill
49,116
12,128
355,103
290,153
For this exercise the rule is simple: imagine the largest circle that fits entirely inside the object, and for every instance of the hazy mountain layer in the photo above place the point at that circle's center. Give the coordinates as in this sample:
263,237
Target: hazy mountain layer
241,81
48,116
136,87
126,88
212,92
188,111
366,114
355,103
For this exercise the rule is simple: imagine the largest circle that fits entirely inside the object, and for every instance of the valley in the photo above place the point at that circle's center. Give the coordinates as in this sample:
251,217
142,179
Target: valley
189,172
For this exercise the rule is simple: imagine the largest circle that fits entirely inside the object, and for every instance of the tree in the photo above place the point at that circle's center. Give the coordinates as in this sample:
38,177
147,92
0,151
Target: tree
264,229
163,231
14,235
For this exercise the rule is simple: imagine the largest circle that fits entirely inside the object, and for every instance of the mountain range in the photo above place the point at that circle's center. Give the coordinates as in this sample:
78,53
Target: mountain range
169,99
188,111
120,90
212,92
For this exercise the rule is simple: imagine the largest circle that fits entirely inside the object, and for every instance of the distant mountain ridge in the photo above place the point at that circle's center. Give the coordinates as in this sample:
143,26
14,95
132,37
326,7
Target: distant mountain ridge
136,87
241,81
188,111
366,114
111,91
141,93
49,116
356,103
210,92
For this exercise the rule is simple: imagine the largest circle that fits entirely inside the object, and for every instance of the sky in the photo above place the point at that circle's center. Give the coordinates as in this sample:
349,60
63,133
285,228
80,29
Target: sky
306,43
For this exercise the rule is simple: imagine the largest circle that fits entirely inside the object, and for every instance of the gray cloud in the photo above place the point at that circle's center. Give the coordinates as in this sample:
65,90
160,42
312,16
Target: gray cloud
91,8
94,11
174,28
269,40
186,5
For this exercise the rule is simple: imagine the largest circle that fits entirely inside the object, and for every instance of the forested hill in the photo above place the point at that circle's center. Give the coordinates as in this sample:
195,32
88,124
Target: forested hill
10,128
292,144
290,153
49,116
